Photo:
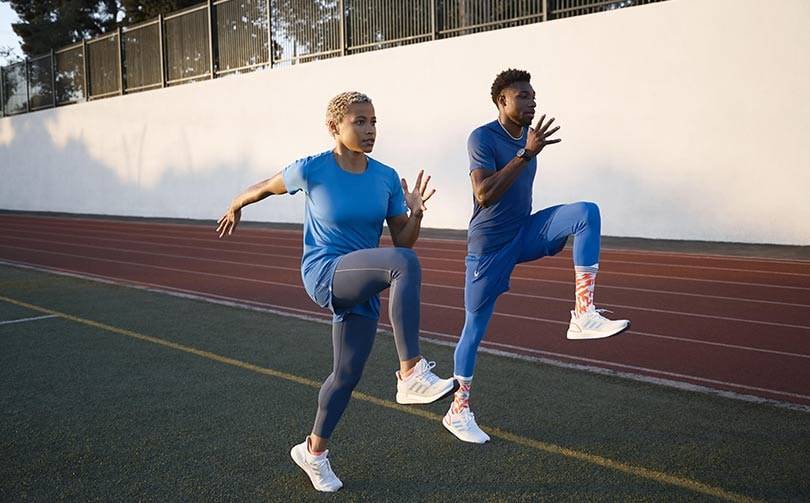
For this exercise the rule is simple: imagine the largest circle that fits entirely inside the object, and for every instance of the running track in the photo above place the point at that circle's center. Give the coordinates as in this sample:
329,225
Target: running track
729,323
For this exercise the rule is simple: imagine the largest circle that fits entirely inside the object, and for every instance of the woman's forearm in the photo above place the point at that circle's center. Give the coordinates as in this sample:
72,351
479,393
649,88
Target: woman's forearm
251,195
259,191
410,231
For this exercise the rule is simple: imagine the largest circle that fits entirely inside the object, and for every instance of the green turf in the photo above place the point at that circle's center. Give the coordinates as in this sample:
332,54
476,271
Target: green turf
93,415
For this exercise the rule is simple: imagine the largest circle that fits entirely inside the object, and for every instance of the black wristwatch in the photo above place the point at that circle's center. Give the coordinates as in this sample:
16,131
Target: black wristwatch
523,154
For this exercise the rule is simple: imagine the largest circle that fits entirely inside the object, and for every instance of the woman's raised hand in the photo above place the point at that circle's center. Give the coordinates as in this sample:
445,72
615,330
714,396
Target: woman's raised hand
416,198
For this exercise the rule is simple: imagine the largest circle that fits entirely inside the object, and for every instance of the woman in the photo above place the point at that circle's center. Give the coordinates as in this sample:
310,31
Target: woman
348,195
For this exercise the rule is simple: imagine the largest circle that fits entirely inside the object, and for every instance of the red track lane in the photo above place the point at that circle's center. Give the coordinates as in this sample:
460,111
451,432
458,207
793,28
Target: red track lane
559,287
711,286
726,322
292,238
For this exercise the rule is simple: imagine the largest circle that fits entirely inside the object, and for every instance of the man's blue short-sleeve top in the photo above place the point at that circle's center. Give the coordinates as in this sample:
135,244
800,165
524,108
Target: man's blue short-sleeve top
490,147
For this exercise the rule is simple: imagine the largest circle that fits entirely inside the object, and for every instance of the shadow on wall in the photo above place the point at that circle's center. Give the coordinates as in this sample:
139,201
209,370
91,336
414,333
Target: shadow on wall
41,175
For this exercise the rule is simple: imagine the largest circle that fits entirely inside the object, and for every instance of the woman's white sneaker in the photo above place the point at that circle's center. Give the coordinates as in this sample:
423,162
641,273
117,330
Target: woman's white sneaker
423,386
592,325
316,467
464,427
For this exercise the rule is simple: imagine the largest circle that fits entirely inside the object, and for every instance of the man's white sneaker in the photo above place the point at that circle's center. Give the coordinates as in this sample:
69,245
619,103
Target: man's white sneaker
423,386
592,325
464,427
317,468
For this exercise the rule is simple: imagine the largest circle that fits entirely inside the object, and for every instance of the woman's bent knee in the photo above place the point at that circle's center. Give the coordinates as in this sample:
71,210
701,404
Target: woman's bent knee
406,261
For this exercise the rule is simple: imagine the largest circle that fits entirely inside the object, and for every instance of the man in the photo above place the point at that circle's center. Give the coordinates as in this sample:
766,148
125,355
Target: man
503,232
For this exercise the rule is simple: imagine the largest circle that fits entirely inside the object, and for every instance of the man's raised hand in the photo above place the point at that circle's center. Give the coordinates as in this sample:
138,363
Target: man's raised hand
539,136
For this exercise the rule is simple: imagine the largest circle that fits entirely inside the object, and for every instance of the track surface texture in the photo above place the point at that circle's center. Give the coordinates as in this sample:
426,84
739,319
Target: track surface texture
733,324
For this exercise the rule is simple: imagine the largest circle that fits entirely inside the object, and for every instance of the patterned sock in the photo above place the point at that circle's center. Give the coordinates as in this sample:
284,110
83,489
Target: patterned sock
585,283
461,399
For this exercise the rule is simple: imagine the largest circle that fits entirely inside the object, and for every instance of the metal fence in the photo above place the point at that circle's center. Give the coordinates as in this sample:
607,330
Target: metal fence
104,66
462,17
221,37
70,76
142,57
307,31
377,24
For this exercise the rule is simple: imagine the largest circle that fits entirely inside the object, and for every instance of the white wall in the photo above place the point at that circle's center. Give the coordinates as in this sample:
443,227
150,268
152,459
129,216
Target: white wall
686,119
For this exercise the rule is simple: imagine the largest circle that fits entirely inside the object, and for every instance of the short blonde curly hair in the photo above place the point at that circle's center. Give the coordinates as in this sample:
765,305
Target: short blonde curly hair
339,105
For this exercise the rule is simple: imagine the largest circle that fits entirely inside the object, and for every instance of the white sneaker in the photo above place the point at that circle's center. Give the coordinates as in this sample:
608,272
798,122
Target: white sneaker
423,386
464,427
317,468
592,325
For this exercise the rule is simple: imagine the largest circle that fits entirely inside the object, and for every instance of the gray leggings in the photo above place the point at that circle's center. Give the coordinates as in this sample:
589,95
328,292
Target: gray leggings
359,276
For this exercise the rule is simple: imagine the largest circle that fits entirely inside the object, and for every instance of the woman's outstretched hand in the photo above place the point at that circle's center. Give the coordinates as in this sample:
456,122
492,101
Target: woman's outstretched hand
228,222
416,198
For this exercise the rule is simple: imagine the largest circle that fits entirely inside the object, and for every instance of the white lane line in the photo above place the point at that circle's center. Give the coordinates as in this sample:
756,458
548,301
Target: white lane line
508,351
433,285
639,308
486,346
24,320
274,244
508,294
634,332
92,223
442,306
297,258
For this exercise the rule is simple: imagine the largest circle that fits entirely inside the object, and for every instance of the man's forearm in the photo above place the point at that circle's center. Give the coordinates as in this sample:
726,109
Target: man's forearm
493,187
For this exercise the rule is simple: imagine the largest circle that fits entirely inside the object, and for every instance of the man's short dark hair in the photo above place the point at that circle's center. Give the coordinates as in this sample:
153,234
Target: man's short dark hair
505,79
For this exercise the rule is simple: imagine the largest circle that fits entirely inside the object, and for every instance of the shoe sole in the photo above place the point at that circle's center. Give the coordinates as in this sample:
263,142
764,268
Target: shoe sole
302,467
448,428
409,399
579,336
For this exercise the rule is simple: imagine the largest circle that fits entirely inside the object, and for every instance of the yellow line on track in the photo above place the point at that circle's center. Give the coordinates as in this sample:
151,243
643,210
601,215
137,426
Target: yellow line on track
638,471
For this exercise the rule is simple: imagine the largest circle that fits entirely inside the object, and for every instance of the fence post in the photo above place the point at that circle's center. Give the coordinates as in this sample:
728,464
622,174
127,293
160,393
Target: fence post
546,16
53,77
342,28
2,94
162,52
120,49
211,38
433,26
86,71
27,88
270,32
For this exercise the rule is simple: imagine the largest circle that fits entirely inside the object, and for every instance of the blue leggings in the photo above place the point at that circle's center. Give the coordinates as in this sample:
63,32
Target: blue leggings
545,233
359,276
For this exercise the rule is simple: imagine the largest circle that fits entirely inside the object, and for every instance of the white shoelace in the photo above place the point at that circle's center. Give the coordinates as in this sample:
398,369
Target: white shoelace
323,468
429,376
467,418
597,313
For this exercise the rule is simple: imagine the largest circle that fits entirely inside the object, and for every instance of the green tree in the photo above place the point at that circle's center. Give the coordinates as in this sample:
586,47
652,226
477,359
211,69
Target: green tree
47,24
136,11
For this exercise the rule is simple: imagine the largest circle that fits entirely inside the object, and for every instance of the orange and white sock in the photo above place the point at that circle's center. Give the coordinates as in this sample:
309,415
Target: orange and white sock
585,284
461,399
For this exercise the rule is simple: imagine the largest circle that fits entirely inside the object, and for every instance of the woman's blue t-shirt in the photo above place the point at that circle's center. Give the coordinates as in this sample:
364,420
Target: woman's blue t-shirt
344,212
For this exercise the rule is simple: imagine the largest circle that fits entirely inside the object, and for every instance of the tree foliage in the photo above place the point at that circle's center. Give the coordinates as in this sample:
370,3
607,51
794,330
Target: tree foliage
47,24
